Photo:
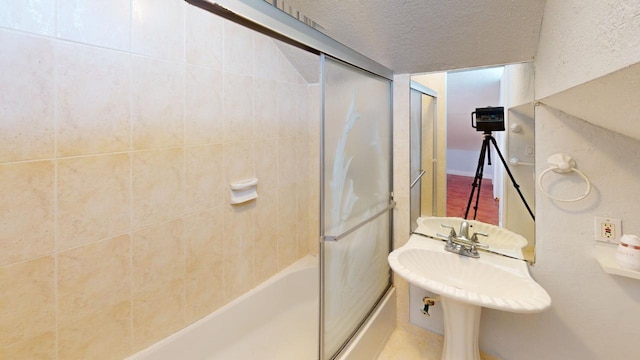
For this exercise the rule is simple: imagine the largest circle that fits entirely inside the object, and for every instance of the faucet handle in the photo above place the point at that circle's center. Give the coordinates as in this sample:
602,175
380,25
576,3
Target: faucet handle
474,238
452,231
475,235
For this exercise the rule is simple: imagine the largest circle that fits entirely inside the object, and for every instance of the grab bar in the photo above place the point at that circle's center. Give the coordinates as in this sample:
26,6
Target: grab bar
417,179
391,205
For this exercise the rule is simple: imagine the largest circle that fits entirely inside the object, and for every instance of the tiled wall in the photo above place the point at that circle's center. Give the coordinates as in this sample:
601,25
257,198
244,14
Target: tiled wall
122,123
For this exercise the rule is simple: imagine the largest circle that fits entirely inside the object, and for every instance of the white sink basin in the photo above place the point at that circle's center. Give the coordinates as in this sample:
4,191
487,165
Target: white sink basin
465,285
491,281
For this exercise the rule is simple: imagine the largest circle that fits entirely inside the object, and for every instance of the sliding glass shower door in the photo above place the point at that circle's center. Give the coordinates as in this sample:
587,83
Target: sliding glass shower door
356,199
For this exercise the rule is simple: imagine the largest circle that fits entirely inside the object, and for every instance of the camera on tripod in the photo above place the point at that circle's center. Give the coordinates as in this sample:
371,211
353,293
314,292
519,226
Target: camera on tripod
488,119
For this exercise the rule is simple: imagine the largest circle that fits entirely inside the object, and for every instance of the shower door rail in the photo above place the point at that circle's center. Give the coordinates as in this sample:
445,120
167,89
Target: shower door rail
391,205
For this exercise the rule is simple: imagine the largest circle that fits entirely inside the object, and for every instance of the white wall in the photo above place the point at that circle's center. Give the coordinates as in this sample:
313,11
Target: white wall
465,163
581,40
593,315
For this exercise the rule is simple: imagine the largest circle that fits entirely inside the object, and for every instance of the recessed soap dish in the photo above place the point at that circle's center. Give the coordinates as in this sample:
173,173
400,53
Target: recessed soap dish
244,190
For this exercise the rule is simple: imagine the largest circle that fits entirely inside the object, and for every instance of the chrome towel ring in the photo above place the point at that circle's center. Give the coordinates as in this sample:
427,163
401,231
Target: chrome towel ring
563,164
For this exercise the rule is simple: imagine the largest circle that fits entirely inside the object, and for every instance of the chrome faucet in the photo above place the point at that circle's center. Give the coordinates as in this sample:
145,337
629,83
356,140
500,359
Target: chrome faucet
462,244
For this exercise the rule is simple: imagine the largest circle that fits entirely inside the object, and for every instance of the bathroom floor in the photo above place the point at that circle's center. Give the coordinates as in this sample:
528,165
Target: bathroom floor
403,345
406,346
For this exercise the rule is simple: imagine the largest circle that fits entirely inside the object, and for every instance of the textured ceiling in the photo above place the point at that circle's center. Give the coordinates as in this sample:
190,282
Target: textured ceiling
417,36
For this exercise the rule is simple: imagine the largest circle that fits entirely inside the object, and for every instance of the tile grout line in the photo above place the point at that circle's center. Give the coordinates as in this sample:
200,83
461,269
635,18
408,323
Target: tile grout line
56,113
184,164
131,152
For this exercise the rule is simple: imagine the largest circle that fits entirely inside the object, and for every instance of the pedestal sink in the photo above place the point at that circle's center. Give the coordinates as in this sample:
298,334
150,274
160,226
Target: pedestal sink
465,285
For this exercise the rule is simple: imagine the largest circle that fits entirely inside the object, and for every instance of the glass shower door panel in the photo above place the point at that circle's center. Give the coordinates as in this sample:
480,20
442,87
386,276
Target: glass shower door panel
356,188
356,276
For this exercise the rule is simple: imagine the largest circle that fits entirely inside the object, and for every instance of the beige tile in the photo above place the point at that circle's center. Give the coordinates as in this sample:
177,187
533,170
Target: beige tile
31,16
238,162
158,103
239,228
266,57
158,256
302,229
27,299
266,165
238,49
203,177
286,72
203,39
158,186
238,274
204,291
266,209
41,347
26,114
238,101
302,210
203,111
287,227
203,234
27,211
157,28
157,314
94,195
288,171
239,249
102,336
94,100
302,121
93,277
105,24
266,114
287,110
266,256
267,214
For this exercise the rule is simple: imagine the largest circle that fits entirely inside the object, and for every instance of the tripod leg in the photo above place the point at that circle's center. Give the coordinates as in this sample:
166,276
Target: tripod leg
486,151
513,180
477,180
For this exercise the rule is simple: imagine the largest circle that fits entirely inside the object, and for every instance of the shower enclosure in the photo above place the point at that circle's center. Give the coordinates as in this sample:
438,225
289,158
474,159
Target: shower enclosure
355,199
355,171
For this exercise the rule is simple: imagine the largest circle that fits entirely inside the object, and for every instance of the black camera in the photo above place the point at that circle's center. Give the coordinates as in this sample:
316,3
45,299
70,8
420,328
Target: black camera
488,119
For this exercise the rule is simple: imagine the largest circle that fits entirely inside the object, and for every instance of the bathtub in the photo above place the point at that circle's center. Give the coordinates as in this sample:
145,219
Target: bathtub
277,320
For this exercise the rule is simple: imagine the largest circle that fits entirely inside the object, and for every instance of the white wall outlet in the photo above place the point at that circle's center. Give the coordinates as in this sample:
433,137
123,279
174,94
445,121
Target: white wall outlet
607,230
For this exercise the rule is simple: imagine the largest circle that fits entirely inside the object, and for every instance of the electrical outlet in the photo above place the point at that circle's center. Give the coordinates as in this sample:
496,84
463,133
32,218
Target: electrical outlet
607,230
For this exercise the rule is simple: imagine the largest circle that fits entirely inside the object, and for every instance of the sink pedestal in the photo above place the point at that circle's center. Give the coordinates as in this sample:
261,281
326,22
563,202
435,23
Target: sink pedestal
461,330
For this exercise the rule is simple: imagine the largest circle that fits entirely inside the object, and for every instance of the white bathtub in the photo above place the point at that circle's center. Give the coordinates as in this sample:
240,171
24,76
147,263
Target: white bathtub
278,320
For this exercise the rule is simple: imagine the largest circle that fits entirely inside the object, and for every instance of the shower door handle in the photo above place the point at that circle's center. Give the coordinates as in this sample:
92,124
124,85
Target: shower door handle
422,172
391,205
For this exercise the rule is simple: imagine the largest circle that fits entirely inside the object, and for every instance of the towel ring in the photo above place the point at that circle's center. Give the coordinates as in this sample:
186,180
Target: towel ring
562,164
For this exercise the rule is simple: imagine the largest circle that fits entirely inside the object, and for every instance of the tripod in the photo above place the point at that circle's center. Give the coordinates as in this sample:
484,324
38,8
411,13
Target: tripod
477,181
